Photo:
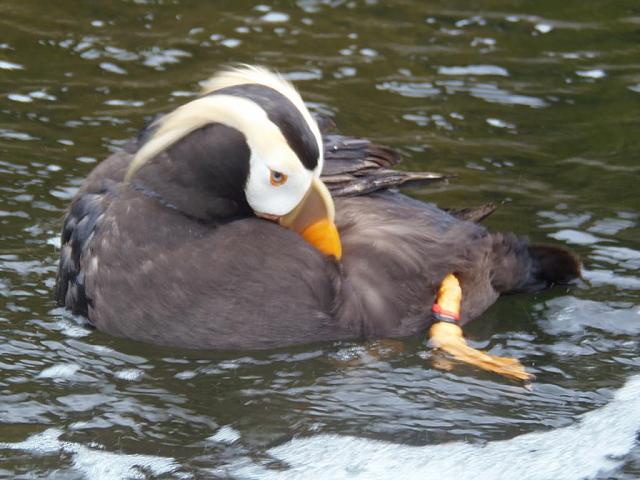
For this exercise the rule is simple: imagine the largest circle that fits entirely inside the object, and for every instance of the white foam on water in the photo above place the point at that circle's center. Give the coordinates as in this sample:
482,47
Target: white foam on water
275,17
496,122
592,446
543,27
95,464
60,370
474,70
129,374
595,73
225,434
4,65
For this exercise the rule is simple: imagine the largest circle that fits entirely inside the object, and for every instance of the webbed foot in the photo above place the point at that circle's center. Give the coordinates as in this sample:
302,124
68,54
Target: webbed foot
448,337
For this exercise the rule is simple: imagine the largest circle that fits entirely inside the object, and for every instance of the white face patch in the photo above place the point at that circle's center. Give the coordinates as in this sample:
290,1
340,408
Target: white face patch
270,152
263,196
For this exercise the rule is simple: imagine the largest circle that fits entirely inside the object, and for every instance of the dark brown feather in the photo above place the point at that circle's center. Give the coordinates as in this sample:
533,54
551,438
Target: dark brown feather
356,166
473,214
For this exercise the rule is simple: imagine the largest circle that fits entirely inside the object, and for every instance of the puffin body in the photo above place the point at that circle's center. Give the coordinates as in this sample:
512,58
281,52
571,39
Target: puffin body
220,234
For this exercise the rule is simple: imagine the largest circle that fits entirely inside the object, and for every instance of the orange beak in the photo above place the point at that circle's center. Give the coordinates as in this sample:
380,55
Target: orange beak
313,218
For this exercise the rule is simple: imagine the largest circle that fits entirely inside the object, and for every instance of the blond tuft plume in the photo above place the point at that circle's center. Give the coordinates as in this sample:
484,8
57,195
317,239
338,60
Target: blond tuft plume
236,112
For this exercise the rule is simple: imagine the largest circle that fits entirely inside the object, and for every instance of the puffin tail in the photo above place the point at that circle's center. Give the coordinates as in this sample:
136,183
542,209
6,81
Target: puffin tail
519,267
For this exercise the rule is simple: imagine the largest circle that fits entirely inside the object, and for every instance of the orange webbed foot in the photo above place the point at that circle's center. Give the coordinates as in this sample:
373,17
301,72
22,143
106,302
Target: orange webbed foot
448,337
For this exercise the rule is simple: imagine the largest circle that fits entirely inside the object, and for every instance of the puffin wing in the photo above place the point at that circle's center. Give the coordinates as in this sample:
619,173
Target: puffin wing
357,166
93,198
473,214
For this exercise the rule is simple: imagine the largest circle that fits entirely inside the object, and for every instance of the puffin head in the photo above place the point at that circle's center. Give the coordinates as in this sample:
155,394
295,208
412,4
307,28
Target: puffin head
247,146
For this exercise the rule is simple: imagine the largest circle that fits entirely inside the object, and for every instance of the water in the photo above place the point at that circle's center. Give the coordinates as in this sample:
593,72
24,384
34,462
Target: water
534,106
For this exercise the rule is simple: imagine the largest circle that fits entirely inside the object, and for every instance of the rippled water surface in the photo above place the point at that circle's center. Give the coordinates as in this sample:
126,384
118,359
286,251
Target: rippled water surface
535,105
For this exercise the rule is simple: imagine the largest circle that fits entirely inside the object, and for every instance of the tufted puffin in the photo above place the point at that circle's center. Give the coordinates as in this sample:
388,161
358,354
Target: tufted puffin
235,222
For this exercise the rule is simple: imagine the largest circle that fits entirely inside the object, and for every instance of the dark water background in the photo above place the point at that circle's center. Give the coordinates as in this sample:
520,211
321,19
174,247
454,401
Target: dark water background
535,105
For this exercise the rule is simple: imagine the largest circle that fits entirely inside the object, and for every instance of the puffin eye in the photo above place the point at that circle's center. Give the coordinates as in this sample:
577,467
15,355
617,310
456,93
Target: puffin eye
277,178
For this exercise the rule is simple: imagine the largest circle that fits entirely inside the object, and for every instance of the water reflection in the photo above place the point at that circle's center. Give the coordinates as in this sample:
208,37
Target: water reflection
532,109
532,456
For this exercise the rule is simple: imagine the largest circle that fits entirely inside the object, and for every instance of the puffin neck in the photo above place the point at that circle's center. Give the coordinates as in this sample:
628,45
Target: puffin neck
145,190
